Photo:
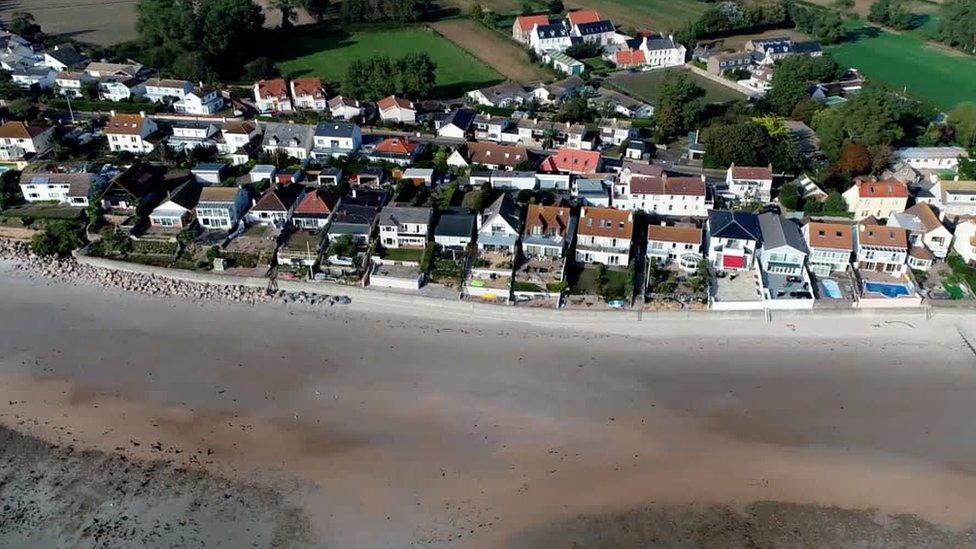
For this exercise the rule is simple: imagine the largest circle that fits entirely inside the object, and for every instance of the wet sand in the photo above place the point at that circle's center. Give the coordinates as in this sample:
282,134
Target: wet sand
388,426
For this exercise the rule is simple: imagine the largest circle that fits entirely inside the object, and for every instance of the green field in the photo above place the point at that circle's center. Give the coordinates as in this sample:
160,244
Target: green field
657,15
905,61
646,86
327,53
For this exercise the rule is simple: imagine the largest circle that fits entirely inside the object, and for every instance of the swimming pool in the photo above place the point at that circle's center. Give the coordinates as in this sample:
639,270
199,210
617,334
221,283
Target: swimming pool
886,289
831,289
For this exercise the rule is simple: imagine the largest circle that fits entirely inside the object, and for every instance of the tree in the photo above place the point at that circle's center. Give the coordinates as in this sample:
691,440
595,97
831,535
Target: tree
377,11
575,109
871,117
835,202
750,144
680,105
788,197
59,238
826,25
854,159
963,119
23,24
412,75
10,189
891,13
555,6
793,77
957,21
316,8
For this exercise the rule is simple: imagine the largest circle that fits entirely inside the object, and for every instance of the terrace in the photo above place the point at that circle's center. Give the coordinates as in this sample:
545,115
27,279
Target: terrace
882,290
736,291
836,291
539,279
490,277
302,248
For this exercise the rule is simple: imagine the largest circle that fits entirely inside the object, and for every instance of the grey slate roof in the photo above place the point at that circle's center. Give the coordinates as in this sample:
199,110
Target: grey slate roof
462,118
455,225
288,135
553,30
596,27
736,225
334,129
777,231
505,207
396,215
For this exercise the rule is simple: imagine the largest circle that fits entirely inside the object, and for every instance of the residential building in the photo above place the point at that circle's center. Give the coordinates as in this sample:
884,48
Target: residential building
580,17
869,197
64,57
221,208
293,140
178,209
159,90
314,209
308,93
725,62
958,198
139,182
454,230
505,95
201,101
563,63
419,176
733,238
457,124
932,158
489,155
262,172
523,25
20,141
749,182
72,83
401,151
118,88
964,241
71,189
664,195
354,220
924,229
594,32
783,250
209,173
189,134
547,231
667,243
336,139
275,205
35,77
239,136
881,249
830,246
404,226
551,37
604,236
615,131
130,132
344,108
623,105
649,51
272,96
572,161
501,225
101,69
592,192
397,109
504,180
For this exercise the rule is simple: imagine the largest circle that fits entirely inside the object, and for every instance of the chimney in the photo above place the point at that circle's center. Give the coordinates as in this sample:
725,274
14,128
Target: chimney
142,114
112,112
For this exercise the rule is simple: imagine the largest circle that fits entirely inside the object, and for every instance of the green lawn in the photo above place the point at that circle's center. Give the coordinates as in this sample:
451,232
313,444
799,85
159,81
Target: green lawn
905,61
403,254
647,85
328,53
657,15
584,282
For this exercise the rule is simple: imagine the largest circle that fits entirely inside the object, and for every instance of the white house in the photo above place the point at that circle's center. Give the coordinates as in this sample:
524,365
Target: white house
343,108
336,139
221,208
201,102
397,109
177,210
118,88
604,236
457,124
294,140
72,83
129,132
505,180
102,69
594,32
37,77
501,225
881,249
209,173
404,226
648,51
958,198
66,188
237,135
551,37
19,140
190,134
674,196
592,192
830,246
454,230
868,197
523,25
682,243
924,229
783,250
275,205
158,90
750,183
64,57
931,158
964,241
733,238
615,131
272,95
308,93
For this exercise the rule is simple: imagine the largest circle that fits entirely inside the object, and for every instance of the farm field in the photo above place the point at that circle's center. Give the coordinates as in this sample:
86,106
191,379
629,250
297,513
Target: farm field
100,22
646,86
861,7
906,61
501,54
327,54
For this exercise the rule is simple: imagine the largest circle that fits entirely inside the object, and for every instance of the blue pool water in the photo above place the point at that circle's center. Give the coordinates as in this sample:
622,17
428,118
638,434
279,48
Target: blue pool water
831,289
888,290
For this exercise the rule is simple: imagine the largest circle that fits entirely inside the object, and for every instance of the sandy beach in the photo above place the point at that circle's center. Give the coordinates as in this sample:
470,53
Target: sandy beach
386,425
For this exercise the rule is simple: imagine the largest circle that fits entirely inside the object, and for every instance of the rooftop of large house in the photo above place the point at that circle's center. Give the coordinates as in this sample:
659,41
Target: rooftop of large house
166,83
126,124
606,222
885,188
526,22
883,236
309,85
926,216
664,185
317,202
579,17
777,231
494,154
219,194
932,153
245,127
275,88
680,234
15,129
753,173
735,225
455,224
393,101
572,160
835,236
398,215
335,129
396,145
340,101
546,219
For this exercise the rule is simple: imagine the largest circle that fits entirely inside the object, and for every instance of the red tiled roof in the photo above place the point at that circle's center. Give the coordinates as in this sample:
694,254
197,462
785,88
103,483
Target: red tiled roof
547,217
572,160
684,235
495,155
627,58
317,202
879,235
925,215
392,101
396,145
19,130
836,236
688,186
885,188
921,252
526,22
272,88
125,124
583,16
751,172
606,222
308,86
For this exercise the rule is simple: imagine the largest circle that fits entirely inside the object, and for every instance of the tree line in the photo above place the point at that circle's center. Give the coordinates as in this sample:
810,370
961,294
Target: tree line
383,11
412,75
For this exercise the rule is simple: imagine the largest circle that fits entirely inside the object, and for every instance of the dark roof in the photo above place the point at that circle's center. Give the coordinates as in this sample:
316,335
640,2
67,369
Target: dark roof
68,55
462,118
354,214
397,215
778,231
506,207
455,225
736,225
553,30
365,197
186,195
334,129
596,27
806,47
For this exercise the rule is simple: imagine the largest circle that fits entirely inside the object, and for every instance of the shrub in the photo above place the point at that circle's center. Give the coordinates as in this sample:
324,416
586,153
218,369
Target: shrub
58,239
